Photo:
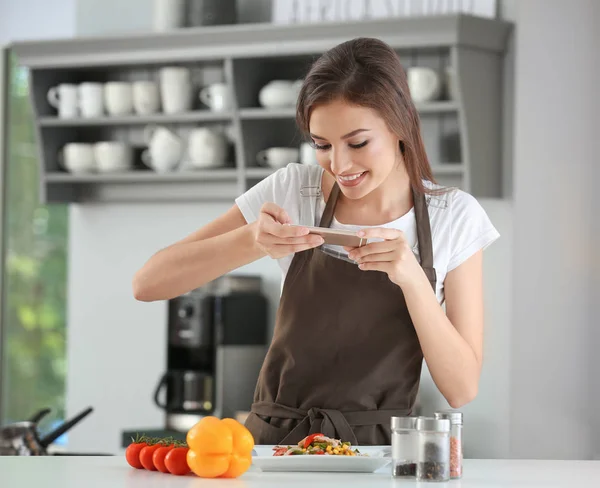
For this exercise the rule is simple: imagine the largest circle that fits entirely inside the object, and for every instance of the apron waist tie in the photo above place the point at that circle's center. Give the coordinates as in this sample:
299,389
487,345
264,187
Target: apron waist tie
334,423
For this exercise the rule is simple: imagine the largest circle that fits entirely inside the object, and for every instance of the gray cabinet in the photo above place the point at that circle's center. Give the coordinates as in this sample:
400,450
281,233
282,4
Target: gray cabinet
462,132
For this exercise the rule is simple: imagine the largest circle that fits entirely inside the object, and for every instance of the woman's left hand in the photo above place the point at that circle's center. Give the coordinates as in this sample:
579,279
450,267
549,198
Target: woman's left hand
392,256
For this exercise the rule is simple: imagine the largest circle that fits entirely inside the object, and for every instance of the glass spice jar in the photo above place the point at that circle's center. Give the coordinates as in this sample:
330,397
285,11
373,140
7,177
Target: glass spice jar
456,444
433,449
404,447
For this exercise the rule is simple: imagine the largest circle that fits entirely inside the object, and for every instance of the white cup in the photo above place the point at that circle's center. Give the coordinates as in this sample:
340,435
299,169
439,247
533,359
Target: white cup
277,157
168,14
118,98
77,157
64,98
207,148
217,97
165,149
308,154
113,156
91,99
146,97
175,89
424,84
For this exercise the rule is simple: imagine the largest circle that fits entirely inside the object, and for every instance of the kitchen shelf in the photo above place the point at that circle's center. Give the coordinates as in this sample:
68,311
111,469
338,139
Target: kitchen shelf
447,169
290,113
267,113
437,107
258,173
158,118
143,176
467,128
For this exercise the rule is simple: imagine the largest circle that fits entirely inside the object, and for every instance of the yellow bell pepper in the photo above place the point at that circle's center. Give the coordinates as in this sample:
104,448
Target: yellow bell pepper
219,448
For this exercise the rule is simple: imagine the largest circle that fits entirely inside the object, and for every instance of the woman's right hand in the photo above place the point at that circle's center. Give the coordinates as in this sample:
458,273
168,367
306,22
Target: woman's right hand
275,237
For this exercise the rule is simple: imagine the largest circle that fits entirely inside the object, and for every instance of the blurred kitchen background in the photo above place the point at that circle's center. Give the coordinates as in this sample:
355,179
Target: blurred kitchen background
73,336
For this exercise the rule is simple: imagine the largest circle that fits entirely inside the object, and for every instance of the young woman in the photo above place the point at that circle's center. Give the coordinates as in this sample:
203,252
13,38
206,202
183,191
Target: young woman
353,324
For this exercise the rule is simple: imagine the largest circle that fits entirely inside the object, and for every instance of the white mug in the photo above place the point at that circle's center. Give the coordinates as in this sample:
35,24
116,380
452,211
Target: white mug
175,89
217,97
165,149
207,148
77,157
277,157
308,154
113,156
64,98
118,98
146,97
91,99
424,84
168,14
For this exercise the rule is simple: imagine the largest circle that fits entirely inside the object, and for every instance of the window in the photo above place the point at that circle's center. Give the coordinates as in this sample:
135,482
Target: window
35,237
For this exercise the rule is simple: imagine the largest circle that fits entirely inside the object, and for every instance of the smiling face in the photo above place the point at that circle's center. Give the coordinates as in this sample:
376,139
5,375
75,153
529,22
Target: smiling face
355,145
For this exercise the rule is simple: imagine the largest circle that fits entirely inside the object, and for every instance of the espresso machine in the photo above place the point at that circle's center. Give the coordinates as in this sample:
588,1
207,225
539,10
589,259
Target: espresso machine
217,341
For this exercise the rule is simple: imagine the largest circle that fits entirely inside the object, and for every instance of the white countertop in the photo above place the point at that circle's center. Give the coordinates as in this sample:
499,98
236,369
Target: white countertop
114,472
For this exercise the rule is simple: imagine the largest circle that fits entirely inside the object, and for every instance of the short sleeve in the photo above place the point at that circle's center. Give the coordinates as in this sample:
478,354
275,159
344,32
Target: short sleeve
281,187
471,229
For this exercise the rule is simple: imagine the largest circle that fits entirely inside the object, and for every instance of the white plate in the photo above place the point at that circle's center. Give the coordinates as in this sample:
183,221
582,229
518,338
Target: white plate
376,458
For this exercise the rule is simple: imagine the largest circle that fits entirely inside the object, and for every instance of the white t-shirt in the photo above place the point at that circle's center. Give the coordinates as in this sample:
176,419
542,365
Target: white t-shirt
459,225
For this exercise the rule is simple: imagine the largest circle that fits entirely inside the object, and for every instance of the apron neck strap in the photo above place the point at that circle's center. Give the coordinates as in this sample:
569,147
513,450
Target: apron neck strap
421,216
423,230
327,216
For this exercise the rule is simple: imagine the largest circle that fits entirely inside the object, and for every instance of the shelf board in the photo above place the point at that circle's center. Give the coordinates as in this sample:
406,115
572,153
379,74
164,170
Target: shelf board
267,113
256,173
448,169
437,169
229,174
259,113
159,118
212,43
436,107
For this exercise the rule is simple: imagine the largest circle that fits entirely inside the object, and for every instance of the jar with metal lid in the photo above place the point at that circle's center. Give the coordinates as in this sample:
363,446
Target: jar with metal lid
433,449
456,447
404,447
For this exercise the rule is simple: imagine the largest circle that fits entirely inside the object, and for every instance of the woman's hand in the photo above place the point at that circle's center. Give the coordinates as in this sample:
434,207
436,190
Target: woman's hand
275,237
392,256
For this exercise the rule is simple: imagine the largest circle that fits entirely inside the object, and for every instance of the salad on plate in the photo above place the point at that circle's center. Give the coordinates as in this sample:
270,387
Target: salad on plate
318,444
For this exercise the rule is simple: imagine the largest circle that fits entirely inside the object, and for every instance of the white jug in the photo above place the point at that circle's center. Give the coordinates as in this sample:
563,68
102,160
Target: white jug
207,148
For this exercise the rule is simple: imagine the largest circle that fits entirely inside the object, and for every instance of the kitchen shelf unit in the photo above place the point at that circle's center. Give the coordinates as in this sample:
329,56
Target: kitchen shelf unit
462,134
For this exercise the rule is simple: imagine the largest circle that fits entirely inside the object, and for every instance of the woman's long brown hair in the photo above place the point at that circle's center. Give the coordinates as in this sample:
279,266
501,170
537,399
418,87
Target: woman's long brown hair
367,72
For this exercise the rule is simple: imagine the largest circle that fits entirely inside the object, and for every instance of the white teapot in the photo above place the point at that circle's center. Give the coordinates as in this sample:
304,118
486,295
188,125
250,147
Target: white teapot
207,148
280,93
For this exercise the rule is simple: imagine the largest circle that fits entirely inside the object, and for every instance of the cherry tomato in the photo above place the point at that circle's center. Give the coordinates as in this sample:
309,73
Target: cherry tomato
132,454
176,461
146,456
158,458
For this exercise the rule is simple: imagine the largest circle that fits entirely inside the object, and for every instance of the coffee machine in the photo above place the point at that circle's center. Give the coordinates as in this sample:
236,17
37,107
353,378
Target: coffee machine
217,341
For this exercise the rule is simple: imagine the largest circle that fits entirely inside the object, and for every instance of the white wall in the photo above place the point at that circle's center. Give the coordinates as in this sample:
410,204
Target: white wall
594,268
551,364
36,19
116,346
487,429
136,15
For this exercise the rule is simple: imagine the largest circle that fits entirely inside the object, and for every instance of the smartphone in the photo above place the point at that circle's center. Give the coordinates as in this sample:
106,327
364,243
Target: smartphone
337,237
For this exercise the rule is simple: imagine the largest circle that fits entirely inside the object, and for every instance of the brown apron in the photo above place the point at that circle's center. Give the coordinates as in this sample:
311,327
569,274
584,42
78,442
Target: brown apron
345,356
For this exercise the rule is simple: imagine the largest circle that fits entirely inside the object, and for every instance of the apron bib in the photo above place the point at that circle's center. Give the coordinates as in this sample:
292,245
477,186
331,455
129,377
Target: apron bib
345,356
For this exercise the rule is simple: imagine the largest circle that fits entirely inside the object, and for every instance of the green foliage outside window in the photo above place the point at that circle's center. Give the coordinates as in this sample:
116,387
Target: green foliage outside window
34,369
